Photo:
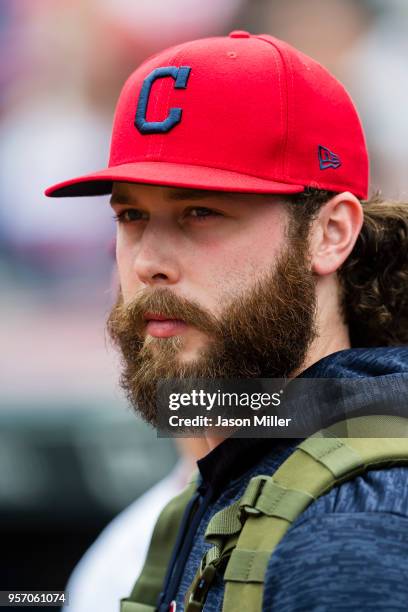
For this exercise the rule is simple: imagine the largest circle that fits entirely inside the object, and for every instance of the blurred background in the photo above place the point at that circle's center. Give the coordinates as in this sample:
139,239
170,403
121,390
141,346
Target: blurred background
72,454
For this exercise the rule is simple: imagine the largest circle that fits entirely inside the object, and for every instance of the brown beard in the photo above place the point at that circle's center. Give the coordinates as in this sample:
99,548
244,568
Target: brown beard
264,333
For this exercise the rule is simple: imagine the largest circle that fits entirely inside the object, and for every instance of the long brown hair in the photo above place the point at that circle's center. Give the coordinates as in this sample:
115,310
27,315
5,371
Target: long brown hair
374,278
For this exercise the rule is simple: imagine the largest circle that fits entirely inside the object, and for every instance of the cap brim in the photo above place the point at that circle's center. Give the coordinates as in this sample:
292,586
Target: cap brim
168,174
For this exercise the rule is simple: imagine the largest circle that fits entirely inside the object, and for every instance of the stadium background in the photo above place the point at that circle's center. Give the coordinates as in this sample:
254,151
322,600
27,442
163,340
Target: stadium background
71,453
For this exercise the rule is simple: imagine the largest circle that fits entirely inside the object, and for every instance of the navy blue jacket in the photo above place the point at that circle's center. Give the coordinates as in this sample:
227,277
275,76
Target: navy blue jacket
347,551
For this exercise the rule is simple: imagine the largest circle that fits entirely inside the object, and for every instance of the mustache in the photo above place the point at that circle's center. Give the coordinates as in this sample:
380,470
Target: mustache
164,302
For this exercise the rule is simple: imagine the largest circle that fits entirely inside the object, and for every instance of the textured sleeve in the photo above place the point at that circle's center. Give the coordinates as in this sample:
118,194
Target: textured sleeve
338,562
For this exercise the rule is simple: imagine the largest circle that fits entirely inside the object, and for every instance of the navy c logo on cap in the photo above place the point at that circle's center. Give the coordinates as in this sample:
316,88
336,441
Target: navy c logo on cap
180,75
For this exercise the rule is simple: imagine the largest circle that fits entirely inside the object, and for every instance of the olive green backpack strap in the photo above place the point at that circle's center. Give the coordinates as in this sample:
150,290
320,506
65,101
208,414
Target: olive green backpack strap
150,582
245,534
271,504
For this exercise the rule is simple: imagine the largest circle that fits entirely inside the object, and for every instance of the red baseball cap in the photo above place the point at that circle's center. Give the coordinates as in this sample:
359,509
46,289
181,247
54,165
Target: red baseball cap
246,113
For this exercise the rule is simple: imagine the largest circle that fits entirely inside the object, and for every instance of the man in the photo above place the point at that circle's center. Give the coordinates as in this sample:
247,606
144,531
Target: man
238,169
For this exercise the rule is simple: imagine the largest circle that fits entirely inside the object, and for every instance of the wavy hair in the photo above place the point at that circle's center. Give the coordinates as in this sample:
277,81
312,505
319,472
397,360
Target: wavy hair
374,277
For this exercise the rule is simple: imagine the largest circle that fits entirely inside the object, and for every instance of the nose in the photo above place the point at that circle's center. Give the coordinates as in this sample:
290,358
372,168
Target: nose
155,259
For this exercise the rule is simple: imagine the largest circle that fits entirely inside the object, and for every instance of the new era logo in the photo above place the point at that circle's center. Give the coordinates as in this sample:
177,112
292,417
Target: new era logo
328,159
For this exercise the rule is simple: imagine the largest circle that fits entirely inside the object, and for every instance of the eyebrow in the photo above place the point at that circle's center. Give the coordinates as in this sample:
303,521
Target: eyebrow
179,195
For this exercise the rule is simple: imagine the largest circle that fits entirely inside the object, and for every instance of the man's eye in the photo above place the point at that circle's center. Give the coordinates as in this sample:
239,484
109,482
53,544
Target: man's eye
129,215
201,212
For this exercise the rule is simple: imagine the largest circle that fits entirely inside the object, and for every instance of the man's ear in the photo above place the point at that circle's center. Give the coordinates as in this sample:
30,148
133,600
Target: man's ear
334,233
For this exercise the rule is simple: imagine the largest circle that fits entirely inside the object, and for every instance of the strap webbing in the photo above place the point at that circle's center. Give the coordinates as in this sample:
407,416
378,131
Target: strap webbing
247,565
225,522
334,454
274,499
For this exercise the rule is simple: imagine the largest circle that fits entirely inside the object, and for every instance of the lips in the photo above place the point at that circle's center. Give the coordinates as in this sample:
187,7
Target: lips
163,326
153,316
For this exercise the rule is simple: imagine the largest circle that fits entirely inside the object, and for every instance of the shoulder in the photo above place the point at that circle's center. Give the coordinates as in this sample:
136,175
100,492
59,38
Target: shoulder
349,548
350,561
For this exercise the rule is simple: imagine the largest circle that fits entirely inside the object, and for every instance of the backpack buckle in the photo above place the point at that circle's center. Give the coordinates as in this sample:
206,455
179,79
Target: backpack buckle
201,587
